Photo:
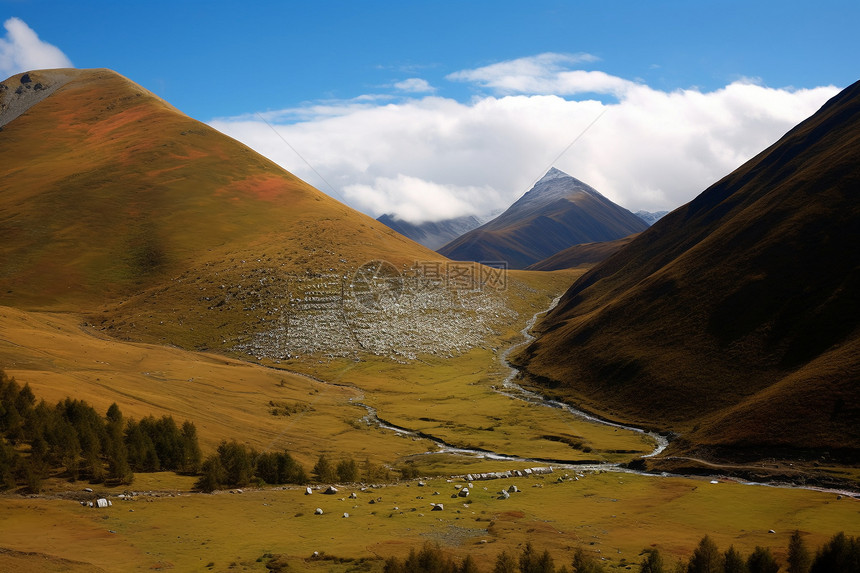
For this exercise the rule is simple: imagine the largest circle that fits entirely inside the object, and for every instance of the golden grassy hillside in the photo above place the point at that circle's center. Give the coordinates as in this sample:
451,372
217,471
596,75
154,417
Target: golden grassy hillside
734,318
106,190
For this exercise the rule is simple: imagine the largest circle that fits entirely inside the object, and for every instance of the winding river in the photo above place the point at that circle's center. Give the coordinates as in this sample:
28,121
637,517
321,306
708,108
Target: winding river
514,391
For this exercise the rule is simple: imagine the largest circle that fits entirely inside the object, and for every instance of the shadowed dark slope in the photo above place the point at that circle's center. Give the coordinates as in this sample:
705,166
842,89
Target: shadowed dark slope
558,212
736,314
579,255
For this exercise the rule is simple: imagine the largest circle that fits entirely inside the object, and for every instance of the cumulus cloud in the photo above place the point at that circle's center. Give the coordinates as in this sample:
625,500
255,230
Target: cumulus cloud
22,50
415,85
428,158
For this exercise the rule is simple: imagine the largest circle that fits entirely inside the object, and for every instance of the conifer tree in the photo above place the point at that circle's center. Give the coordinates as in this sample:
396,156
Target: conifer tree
323,470
290,471
238,463
8,464
394,565
839,555
505,563
734,561
584,563
212,476
652,562
761,561
191,454
468,565
706,558
799,558
347,471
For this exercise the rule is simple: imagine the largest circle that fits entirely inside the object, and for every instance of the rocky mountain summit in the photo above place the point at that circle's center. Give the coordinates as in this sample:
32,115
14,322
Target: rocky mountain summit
559,211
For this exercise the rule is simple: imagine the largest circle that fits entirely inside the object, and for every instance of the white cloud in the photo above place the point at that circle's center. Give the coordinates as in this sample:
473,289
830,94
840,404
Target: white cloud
415,85
431,157
22,50
544,74
418,200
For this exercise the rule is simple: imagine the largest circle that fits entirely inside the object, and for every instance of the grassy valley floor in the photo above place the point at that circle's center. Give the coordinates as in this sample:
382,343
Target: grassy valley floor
164,525
611,515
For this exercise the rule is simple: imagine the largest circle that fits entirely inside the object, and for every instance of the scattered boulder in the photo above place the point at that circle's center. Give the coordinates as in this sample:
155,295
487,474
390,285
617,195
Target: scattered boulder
353,495
308,490
330,490
513,489
318,511
504,494
345,514
464,492
421,484
437,507
25,79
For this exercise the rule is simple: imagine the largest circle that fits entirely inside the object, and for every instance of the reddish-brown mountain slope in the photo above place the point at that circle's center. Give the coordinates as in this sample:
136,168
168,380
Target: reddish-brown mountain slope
734,318
105,190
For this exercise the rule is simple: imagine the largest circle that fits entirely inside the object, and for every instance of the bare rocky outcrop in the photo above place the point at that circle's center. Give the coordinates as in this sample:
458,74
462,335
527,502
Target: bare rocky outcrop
22,91
329,316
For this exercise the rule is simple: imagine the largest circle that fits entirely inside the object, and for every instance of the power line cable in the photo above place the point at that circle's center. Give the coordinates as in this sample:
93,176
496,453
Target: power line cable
330,186
571,144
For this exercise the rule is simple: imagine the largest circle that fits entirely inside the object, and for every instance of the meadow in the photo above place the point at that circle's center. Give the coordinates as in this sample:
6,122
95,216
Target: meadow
166,525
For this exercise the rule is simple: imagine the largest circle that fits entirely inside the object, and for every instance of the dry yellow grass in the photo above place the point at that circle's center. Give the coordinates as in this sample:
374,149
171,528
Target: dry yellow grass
225,398
452,399
612,515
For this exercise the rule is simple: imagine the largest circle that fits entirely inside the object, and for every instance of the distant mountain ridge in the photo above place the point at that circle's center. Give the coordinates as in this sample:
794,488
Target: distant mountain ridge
651,217
735,319
431,234
557,212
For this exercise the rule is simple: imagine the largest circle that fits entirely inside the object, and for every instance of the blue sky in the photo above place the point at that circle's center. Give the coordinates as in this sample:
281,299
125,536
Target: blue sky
327,69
